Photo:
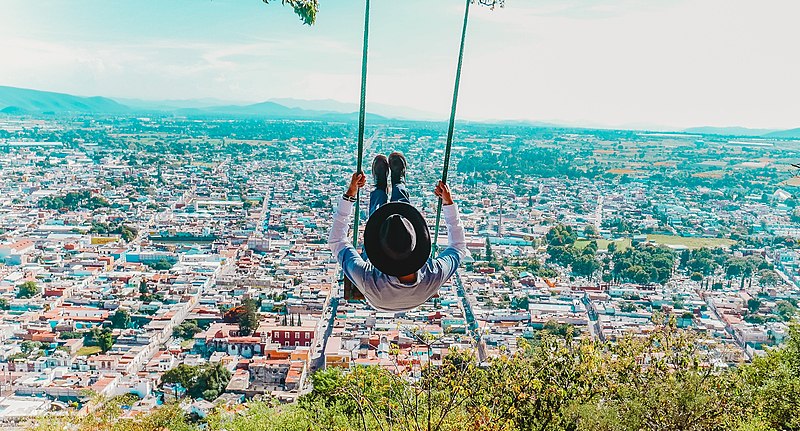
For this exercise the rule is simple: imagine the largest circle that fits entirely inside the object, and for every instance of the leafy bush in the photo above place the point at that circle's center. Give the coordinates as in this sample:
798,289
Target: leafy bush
660,382
206,381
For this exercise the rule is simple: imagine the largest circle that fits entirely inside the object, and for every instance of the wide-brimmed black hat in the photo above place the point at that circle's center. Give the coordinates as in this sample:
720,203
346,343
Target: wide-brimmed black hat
397,240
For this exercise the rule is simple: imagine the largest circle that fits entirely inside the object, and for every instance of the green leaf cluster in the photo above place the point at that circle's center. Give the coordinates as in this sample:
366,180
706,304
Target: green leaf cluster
206,381
73,201
305,9
667,380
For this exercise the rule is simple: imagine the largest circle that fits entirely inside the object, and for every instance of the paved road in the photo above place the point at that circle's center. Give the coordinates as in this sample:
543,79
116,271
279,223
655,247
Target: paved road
598,214
334,306
472,323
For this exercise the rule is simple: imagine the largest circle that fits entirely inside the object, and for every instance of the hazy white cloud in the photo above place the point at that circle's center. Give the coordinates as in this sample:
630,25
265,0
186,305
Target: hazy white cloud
615,62
701,62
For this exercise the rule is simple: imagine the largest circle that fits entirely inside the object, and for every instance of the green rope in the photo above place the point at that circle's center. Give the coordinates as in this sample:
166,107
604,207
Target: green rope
361,119
451,126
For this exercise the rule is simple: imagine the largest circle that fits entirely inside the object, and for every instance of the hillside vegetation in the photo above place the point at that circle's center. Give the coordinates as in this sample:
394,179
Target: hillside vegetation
660,382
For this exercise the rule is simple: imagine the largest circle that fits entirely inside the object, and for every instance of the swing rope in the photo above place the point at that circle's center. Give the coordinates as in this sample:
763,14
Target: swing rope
451,127
361,120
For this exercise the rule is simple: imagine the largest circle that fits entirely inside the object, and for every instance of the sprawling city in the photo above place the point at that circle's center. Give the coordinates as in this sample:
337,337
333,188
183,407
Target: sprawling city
310,215
133,247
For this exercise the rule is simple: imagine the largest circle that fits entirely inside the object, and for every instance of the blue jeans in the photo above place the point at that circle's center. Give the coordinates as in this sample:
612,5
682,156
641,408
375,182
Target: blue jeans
379,197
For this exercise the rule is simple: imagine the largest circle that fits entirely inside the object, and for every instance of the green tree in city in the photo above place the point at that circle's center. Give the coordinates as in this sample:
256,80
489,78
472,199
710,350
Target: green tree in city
184,375
700,260
161,265
785,310
73,201
563,255
205,381
248,321
211,382
128,233
561,235
644,264
521,303
768,278
28,289
187,330
735,267
585,265
105,340
488,254
121,319
29,346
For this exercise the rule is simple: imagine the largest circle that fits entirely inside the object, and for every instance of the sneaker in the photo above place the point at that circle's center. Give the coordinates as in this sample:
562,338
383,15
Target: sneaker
397,163
380,171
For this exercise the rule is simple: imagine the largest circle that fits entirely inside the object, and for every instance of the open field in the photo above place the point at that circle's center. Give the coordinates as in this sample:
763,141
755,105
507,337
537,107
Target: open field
624,171
691,242
602,244
793,181
709,174
88,351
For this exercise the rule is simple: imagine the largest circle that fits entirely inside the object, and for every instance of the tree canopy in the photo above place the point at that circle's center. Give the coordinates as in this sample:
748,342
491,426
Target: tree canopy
555,383
161,265
73,201
206,381
28,289
187,330
305,9
121,319
644,264
248,321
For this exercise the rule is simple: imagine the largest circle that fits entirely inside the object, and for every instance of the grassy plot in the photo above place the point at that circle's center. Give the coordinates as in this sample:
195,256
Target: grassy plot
691,242
88,350
602,244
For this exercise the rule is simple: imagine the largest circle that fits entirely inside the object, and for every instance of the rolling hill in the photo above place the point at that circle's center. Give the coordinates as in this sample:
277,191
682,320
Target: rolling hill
271,110
389,111
21,101
729,131
785,134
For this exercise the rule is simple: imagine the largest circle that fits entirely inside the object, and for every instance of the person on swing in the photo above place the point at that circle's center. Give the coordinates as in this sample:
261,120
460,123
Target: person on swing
397,272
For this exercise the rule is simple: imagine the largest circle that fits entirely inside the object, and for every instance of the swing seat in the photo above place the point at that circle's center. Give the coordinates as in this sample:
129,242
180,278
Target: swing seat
351,292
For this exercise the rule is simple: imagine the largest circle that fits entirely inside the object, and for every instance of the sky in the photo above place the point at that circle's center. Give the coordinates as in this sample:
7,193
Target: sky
613,63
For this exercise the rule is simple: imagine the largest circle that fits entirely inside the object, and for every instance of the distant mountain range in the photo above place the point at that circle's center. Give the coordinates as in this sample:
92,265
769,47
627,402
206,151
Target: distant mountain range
744,131
729,131
784,134
21,101
388,111
166,105
269,110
